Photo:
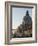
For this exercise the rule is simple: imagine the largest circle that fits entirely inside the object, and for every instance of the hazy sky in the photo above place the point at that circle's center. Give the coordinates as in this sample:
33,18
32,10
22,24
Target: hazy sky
18,14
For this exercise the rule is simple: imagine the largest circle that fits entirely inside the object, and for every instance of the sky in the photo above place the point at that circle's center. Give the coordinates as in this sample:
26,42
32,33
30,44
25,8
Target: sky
18,14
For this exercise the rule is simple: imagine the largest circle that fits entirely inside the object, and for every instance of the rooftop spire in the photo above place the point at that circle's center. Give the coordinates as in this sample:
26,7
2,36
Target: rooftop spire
27,13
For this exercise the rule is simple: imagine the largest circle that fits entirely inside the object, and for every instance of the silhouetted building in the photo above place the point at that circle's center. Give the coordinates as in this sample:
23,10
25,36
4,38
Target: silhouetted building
27,19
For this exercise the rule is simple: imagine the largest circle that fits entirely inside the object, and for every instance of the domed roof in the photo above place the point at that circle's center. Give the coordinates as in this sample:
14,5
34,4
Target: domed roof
27,19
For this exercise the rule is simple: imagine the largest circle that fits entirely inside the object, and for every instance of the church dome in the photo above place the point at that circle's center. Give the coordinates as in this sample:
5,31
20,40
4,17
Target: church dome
27,19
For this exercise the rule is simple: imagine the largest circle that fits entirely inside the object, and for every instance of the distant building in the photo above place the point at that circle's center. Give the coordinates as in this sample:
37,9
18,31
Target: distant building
27,19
